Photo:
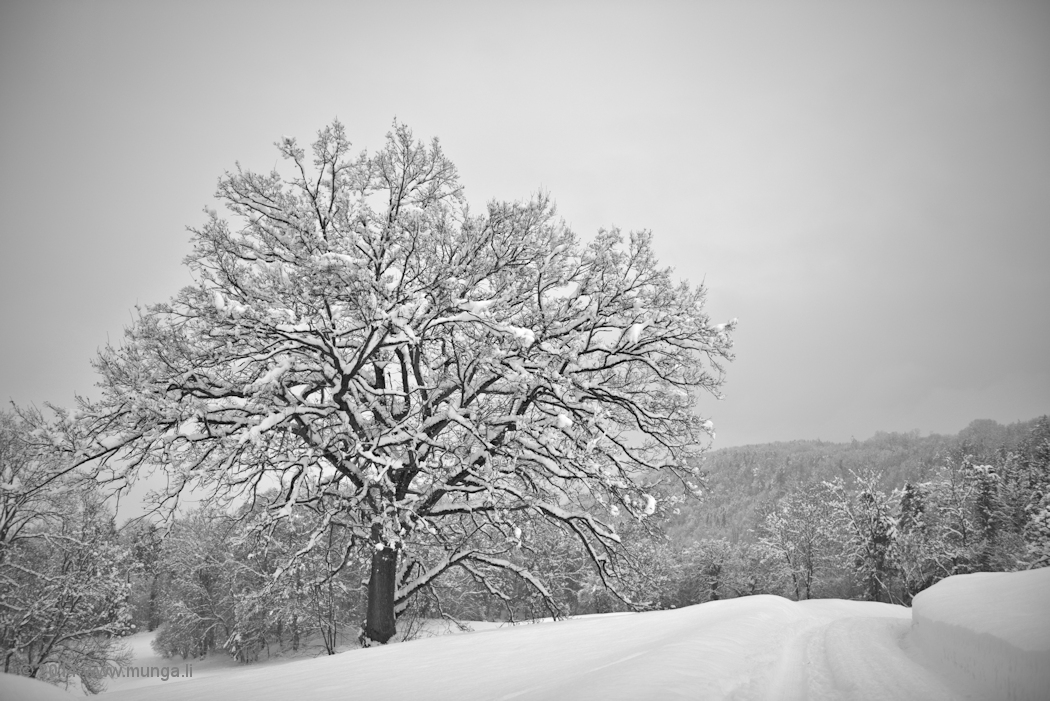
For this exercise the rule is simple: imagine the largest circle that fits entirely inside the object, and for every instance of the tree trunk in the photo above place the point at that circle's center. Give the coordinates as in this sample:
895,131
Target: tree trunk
153,611
379,624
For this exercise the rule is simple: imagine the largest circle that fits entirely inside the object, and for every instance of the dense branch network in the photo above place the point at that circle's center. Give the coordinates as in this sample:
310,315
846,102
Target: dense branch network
363,344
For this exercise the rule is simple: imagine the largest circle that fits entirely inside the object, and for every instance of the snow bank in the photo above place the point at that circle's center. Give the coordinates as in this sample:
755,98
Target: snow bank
988,633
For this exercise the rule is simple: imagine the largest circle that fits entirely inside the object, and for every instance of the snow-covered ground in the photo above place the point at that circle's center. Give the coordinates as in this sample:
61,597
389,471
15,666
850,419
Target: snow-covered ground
760,647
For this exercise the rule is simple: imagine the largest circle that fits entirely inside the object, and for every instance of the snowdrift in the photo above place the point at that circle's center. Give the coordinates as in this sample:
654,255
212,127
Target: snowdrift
989,633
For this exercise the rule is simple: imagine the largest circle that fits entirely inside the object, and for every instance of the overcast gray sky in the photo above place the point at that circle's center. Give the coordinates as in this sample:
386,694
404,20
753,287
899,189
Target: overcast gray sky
866,186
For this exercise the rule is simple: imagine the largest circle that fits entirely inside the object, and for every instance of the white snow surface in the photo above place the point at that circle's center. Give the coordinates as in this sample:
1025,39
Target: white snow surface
991,652
16,688
758,647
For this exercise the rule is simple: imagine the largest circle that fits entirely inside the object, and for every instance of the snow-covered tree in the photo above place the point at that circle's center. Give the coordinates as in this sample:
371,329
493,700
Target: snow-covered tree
202,580
63,572
870,529
144,541
1027,494
424,369
319,593
1037,533
30,478
219,595
800,530
708,572
755,570
916,551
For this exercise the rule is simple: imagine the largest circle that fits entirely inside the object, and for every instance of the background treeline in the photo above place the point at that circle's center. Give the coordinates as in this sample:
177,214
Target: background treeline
880,519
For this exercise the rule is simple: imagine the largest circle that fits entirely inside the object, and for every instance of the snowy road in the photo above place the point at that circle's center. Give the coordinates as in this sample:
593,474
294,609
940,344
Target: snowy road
853,650
761,647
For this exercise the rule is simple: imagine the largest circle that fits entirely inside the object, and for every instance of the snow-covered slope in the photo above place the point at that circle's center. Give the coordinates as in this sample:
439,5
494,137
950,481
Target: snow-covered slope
989,633
761,647
973,637
15,688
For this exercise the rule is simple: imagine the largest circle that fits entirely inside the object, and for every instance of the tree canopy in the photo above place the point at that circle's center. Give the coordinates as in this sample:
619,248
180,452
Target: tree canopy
426,379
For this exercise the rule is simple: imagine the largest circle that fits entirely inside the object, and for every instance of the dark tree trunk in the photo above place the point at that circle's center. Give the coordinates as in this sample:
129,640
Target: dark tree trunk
379,624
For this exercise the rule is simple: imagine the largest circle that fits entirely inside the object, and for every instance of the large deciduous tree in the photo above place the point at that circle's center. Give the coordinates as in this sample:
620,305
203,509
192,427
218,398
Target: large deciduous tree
430,378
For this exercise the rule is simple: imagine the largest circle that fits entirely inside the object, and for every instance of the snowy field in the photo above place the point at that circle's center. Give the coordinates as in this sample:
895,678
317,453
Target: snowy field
983,636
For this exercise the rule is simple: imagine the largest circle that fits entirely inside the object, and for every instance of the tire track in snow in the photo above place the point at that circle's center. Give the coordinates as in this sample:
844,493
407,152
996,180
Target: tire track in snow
854,659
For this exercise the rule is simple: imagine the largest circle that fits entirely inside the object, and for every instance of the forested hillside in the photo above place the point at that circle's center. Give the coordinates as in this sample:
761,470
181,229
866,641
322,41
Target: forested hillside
880,519
743,482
